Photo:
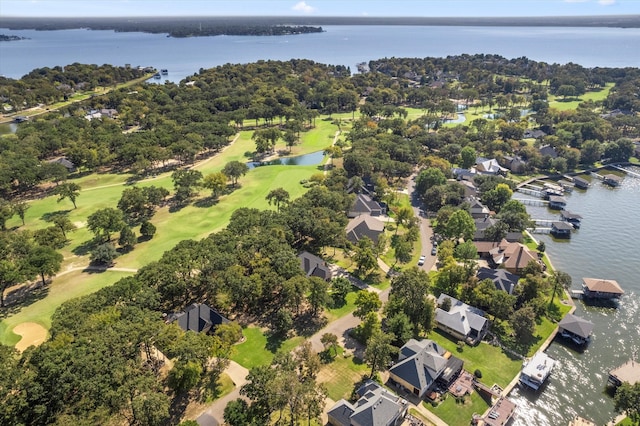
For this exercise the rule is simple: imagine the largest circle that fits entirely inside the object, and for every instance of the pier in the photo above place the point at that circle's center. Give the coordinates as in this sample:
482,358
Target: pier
533,192
629,172
530,202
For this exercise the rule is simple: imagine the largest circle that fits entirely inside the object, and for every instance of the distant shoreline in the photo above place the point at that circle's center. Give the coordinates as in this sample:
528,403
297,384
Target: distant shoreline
235,25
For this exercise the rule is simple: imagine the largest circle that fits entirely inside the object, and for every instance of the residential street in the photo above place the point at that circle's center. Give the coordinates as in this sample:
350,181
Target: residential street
426,232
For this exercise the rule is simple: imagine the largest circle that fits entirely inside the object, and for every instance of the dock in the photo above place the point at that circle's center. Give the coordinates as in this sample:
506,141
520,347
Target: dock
628,372
531,202
629,172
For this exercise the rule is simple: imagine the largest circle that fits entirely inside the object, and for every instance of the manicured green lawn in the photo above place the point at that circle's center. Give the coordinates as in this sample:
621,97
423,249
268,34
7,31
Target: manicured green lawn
557,102
625,422
258,349
454,413
335,313
65,287
496,366
340,375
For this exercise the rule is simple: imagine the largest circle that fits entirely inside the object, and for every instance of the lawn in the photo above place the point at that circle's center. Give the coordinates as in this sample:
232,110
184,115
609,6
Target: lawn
562,105
455,413
65,287
333,314
258,348
496,366
340,375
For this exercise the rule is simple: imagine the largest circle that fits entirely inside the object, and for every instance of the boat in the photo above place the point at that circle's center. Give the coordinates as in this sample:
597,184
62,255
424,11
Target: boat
536,370
164,71
156,76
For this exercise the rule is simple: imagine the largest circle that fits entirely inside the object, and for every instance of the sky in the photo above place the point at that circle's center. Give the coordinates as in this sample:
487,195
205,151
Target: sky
388,8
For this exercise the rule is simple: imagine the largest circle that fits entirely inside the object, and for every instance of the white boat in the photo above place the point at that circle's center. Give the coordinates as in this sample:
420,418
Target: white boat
536,370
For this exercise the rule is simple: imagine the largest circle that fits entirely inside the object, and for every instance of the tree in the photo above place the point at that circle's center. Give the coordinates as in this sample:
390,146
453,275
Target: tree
523,322
402,248
400,326
65,225
591,152
318,294
468,156
216,182
50,237
234,170
627,400
45,260
366,302
278,197
561,280
365,256
497,197
460,225
20,208
70,190
147,229
379,351
104,254
186,182
429,178
184,376
127,238
409,294
6,213
515,216
105,221
340,287
237,413
330,341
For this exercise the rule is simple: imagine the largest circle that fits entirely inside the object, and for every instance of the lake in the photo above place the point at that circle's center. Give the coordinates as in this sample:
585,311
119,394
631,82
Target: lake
606,246
339,45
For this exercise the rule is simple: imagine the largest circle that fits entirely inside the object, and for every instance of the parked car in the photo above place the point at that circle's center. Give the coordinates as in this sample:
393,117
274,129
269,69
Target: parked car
421,260
434,251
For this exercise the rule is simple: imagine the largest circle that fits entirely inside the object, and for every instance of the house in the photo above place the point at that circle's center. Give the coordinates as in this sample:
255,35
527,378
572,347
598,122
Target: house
365,205
461,321
484,247
314,266
575,328
612,180
628,372
198,317
470,189
364,226
422,365
464,174
64,161
561,229
477,209
580,183
489,166
557,202
481,226
596,288
515,164
502,279
513,257
375,406
548,150
534,134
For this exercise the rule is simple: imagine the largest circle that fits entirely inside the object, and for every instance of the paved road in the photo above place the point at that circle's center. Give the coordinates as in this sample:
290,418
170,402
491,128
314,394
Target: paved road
426,232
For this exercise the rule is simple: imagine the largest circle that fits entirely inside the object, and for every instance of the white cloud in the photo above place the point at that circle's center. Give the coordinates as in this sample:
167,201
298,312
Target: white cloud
606,2
303,7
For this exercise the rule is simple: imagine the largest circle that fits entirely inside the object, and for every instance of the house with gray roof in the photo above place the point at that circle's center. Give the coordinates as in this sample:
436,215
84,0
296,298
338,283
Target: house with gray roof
198,317
375,407
314,266
364,226
502,279
477,209
462,321
481,225
548,150
424,365
365,205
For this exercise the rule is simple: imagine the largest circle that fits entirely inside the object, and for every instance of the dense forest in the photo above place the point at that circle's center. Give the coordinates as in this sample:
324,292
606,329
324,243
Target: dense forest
98,365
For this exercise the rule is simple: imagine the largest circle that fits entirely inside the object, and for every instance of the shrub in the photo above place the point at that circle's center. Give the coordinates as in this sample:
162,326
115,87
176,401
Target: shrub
478,374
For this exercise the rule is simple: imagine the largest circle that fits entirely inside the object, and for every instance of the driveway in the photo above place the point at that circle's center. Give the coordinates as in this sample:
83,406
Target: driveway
213,416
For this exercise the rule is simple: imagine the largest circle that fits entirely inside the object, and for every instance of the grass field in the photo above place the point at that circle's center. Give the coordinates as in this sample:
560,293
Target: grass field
562,105
340,375
501,370
258,348
65,287
454,413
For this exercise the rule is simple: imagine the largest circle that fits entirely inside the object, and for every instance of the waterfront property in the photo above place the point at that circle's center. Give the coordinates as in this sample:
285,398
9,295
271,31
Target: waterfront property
573,218
596,288
498,415
513,257
576,329
579,421
375,406
364,226
460,320
561,229
314,266
612,180
502,279
629,372
580,183
536,370
424,366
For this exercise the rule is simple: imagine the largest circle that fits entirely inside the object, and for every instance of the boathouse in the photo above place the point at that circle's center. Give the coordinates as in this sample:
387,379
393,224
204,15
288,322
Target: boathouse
628,372
557,202
580,183
612,180
575,328
596,288
572,218
561,229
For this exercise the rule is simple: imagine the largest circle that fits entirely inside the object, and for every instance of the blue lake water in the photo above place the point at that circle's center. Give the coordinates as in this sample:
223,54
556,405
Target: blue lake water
298,160
343,45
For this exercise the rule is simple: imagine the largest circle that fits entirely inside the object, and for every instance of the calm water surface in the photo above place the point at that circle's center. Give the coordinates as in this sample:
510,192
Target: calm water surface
340,45
606,246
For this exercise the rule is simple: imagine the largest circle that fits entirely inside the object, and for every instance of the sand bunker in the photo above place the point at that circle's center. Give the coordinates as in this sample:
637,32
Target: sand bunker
32,334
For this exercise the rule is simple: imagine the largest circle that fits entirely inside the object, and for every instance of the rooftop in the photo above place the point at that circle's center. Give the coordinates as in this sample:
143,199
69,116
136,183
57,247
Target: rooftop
602,286
576,325
538,367
628,372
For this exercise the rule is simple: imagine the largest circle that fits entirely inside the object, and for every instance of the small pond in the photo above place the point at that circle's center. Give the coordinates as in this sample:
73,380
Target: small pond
299,160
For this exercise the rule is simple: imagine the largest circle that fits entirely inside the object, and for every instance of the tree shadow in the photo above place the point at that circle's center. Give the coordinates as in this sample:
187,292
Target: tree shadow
22,297
307,324
84,248
51,216
177,408
206,202
274,342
